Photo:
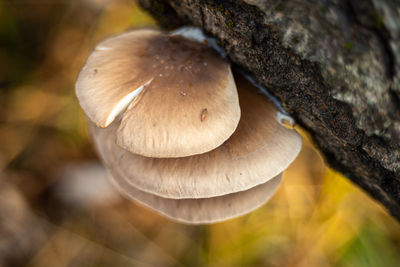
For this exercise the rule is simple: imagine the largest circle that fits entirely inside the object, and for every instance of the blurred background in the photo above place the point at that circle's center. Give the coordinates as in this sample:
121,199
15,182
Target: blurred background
57,208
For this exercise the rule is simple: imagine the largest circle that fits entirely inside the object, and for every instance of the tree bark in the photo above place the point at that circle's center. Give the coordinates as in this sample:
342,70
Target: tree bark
334,65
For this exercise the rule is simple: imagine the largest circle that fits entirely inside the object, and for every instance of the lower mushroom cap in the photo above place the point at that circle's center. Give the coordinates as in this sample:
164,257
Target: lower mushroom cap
259,150
202,211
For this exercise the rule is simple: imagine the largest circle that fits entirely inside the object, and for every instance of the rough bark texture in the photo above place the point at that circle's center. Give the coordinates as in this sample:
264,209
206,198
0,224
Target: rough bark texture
334,65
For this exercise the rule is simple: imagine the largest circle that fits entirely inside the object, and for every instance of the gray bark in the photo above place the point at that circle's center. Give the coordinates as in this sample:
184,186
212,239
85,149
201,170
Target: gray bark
334,65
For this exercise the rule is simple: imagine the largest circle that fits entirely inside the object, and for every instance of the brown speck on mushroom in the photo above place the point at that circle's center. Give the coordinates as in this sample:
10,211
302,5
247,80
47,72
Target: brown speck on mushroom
203,115
143,53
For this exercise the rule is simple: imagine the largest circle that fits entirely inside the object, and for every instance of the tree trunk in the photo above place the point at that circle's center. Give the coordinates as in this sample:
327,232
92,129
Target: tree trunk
334,65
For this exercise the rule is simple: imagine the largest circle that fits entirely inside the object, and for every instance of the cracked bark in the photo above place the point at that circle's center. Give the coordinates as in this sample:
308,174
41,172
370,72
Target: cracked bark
334,65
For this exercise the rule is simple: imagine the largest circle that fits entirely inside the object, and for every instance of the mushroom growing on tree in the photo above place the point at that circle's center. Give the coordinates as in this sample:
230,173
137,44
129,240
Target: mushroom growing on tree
165,120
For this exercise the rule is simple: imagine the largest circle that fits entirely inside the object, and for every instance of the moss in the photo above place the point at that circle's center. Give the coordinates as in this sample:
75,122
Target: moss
295,39
230,23
378,22
220,8
322,9
349,46
157,7
278,7
228,17
222,42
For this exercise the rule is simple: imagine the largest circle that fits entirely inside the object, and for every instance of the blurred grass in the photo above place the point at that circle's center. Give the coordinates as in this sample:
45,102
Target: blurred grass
317,217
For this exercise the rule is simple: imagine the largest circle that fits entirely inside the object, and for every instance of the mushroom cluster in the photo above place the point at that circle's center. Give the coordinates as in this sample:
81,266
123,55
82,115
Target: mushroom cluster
178,132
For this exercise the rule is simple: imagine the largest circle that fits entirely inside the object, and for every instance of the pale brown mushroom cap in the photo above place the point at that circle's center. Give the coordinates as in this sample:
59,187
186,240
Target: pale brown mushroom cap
180,96
111,73
259,150
205,210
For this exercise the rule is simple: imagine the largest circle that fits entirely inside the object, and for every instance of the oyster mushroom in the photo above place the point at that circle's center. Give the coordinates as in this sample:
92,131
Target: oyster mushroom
176,97
259,150
165,120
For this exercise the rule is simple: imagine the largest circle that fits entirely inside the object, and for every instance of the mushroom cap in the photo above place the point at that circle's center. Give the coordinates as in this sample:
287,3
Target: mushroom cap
259,150
178,96
204,210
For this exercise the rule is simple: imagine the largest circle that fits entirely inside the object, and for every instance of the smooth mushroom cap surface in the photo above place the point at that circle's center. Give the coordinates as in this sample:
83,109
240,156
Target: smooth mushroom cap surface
205,210
176,96
259,150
